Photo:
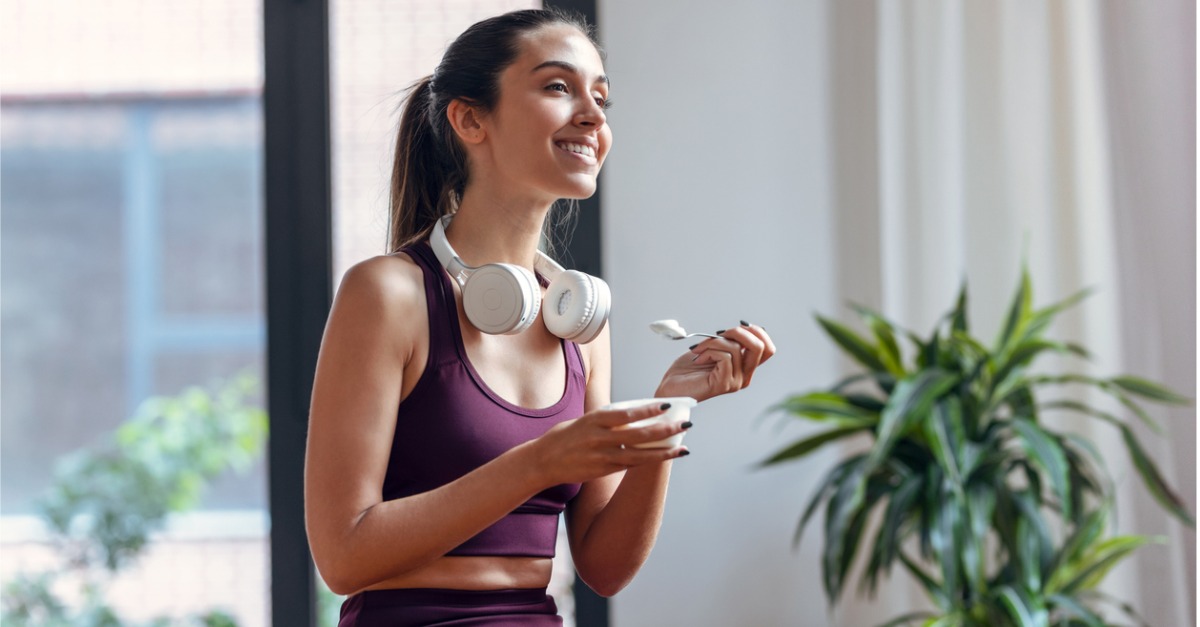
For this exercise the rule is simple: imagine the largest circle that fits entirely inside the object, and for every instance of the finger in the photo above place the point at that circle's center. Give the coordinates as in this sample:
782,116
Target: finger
631,457
716,343
616,417
653,433
727,372
768,343
752,350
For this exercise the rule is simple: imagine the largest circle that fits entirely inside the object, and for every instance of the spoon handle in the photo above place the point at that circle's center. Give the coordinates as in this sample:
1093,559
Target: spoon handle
715,337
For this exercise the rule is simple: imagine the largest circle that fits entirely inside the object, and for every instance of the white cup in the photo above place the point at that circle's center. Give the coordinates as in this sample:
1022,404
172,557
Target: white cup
681,408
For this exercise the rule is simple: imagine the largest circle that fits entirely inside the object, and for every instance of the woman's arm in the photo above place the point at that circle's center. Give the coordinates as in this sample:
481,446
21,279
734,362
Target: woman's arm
356,538
378,320
613,523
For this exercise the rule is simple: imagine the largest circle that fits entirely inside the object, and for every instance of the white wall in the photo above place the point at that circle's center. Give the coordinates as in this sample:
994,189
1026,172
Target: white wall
717,208
748,178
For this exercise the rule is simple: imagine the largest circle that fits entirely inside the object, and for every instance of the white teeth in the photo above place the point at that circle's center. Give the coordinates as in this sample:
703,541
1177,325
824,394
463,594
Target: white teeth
577,148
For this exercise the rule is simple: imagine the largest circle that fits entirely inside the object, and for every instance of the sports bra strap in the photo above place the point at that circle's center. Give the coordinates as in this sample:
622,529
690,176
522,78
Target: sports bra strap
443,310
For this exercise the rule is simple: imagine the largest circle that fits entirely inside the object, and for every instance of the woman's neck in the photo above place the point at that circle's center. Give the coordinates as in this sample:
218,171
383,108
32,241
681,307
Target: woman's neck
489,228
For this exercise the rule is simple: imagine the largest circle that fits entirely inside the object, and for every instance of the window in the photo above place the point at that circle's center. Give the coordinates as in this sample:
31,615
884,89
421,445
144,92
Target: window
131,243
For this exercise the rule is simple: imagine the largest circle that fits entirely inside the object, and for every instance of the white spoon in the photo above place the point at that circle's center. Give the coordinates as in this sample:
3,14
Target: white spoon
671,329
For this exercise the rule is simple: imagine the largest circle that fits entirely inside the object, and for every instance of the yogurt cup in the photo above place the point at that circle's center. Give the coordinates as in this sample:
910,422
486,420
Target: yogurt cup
681,408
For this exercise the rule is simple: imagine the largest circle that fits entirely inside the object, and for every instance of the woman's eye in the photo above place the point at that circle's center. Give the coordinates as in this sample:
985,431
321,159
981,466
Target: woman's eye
604,103
557,87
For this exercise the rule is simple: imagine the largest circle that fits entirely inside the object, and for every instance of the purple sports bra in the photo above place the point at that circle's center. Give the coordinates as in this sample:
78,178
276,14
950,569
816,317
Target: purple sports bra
452,423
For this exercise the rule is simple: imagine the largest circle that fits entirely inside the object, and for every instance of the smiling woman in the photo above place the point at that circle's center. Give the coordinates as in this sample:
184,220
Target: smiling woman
442,449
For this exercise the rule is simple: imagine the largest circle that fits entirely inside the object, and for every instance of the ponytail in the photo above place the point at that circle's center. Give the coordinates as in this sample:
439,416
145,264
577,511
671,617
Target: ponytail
429,171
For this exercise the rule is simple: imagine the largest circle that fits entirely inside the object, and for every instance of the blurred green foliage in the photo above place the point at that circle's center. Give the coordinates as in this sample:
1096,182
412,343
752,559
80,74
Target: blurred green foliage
106,502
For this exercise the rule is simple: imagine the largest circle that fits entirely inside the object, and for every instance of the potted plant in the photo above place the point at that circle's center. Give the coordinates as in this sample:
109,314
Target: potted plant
1000,517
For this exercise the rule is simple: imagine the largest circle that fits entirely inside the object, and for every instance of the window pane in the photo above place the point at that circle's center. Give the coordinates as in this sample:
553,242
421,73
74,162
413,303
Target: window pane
131,243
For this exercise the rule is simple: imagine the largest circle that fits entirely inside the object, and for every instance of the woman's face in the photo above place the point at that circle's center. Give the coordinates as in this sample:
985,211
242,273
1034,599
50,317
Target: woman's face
548,132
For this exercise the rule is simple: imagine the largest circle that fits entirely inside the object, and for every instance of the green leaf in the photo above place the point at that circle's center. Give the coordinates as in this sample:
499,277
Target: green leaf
932,587
1096,564
845,503
958,318
1029,514
981,503
1073,607
1024,353
1022,607
1043,317
944,430
908,618
877,488
828,484
1149,389
1047,454
868,403
1018,314
885,333
1154,480
928,357
803,447
909,404
826,406
900,508
852,343
1029,559
1124,607
1145,466
1137,410
1064,567
1106,386
946,537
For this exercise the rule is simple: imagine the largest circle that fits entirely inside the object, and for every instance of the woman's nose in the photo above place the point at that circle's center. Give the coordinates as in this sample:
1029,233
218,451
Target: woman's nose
590,114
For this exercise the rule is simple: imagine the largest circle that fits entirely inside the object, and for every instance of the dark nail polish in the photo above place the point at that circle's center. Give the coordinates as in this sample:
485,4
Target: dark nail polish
693,347
744,323
665,406
684,453
721,332
687,425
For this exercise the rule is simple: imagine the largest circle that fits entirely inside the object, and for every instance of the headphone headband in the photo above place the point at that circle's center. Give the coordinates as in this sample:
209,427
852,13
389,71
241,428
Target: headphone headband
460,271
503,298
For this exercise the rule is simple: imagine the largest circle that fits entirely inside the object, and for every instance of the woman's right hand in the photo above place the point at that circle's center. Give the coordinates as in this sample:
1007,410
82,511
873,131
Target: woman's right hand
595,445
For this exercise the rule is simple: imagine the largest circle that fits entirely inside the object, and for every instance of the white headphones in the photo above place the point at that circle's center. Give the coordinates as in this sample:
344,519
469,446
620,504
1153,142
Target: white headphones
504,299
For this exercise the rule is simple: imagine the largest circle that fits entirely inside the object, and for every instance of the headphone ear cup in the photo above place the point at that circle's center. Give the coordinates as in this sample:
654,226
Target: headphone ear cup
501,298
577,306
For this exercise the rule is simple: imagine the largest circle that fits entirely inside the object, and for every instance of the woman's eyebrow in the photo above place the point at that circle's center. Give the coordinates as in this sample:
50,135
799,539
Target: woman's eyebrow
568,67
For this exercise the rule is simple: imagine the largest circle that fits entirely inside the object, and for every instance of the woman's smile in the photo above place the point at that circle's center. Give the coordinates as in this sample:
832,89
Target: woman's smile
579,151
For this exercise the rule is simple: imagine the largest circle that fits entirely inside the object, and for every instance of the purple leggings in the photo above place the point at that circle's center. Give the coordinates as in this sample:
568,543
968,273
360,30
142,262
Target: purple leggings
413,607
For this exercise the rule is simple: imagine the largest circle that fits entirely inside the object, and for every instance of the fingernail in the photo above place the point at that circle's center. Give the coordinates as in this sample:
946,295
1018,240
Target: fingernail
693,347
721,332
744,323
684,453
665,406
687,425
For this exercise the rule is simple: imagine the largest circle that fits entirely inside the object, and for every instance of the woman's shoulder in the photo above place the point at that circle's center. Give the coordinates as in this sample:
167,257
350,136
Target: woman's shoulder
393,282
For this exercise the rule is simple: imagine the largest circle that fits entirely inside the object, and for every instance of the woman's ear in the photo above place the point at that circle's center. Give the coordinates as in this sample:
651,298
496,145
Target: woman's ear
466,121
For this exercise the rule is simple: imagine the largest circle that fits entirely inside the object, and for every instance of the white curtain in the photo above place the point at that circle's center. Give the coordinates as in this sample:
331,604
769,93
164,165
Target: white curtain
973,136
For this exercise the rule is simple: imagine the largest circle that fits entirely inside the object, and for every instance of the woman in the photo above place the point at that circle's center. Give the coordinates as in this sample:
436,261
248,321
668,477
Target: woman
439,456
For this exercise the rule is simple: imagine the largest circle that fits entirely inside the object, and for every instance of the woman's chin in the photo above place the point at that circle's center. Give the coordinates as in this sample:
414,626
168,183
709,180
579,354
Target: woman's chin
583,186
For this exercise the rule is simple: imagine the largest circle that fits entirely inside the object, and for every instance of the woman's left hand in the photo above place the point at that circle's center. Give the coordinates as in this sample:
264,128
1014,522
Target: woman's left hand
718,366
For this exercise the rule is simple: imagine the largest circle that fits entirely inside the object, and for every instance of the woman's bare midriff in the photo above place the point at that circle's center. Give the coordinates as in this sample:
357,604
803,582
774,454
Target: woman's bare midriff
475,573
